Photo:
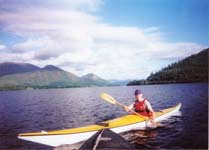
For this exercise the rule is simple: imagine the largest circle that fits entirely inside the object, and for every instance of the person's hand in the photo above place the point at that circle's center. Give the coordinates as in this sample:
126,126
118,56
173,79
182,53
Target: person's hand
152,121
126,108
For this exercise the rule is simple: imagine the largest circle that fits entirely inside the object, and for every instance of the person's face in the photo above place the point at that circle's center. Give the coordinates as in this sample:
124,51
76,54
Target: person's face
139,96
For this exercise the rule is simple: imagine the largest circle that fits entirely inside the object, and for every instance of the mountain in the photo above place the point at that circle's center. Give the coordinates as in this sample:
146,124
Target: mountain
51,68
40,79
13,68
93,80
48,77
191,69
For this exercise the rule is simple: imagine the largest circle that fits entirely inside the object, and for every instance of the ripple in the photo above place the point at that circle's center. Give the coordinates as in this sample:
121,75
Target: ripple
35,110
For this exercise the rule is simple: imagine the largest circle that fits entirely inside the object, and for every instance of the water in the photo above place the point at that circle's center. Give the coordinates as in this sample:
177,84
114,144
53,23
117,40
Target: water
35,110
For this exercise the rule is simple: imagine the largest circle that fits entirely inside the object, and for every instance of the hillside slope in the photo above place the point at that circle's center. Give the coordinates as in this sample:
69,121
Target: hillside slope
13,68
48,77
191,69
40,78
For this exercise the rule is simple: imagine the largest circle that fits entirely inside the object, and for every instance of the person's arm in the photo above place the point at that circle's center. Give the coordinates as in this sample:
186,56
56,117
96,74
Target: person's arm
149,107
130,107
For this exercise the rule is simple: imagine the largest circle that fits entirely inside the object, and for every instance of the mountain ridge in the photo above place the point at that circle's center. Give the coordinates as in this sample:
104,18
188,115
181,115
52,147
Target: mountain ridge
51,68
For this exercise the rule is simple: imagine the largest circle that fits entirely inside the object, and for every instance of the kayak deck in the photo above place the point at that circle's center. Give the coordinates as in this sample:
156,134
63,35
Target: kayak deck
114,123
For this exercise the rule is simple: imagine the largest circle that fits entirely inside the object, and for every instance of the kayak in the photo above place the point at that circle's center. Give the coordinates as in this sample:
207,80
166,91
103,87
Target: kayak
106,139
75,135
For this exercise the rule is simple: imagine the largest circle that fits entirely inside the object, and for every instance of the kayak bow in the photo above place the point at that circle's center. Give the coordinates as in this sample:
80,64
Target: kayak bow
75,135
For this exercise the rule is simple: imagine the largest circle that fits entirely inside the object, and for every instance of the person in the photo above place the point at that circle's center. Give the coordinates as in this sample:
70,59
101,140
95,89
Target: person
142,106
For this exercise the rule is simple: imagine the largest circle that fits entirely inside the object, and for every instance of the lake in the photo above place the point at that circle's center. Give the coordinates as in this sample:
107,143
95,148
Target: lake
50,109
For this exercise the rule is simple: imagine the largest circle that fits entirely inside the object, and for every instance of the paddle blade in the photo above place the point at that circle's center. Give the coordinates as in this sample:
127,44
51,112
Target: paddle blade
108,98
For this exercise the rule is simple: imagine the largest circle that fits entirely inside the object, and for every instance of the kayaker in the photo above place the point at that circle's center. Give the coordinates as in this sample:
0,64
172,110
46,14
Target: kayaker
142,106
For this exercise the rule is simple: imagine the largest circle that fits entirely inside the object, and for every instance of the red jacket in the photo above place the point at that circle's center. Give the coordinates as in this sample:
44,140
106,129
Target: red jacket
141,108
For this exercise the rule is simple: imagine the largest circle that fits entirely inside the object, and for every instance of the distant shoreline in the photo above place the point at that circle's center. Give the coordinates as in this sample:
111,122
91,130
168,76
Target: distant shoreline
167,82
44,88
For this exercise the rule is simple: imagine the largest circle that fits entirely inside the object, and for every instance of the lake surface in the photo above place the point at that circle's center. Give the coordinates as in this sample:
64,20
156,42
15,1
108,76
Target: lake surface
35,110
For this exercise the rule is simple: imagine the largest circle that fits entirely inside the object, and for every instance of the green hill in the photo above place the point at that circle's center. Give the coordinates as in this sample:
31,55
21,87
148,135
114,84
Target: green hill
191,69
48,77
39,79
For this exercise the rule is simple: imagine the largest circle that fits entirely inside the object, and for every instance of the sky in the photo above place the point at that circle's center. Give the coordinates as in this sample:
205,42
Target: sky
115,39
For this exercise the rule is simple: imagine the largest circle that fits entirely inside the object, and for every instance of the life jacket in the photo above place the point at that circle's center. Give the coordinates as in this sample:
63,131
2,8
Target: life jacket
140,108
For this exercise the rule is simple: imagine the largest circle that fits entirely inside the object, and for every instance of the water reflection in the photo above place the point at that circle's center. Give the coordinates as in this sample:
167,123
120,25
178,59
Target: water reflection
156,138
141,138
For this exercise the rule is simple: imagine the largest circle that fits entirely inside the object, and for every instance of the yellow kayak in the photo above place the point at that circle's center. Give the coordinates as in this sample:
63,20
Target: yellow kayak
74,135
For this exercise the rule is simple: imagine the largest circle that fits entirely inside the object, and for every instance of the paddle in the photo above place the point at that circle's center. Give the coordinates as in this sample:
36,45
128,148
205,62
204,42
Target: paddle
113,101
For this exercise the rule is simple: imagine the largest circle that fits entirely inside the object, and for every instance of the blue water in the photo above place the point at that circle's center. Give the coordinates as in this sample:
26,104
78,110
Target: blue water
35,110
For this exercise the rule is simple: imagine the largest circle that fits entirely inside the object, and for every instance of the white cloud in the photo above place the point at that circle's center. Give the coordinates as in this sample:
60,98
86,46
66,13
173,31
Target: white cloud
165,50
2,47
71,37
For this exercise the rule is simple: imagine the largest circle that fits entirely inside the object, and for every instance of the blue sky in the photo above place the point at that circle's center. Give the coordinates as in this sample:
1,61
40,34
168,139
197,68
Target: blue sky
182,20
115,39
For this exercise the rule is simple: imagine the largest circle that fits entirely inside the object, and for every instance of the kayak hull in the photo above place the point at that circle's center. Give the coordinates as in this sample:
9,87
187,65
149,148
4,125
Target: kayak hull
75,135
